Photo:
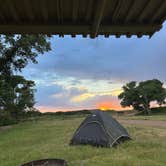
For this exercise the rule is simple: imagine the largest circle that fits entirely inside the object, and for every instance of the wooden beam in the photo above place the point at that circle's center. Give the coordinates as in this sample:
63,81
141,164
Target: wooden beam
144,10
79,29
132,28
84,35
130,12
118,35
139,35
73,35
61,10
28,9
117,10
98,17
106,35
12,9
45,29
128,35
57,10
2,17
75,10
89,10
44,11
159,11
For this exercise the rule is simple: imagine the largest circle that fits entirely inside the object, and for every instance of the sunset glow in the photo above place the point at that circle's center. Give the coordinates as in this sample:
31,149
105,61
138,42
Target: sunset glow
71,78
106,106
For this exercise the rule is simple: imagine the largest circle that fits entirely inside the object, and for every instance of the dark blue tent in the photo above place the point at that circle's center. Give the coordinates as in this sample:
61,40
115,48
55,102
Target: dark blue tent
100,129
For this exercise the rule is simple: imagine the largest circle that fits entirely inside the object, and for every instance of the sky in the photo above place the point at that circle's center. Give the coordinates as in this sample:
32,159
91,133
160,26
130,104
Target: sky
83,73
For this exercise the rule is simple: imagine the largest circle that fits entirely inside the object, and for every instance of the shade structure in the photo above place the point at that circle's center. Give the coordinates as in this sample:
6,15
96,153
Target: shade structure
82,17
100,129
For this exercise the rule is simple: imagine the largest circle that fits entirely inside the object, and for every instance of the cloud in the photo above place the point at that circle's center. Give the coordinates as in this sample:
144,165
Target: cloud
44,93
108,59
69,93
98,101
82,97
81,72
59,98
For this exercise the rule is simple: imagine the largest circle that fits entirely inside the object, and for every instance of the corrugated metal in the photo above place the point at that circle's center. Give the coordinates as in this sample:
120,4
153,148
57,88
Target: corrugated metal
85,17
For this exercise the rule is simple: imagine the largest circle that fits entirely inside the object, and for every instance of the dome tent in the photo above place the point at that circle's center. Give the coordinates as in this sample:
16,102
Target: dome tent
100,129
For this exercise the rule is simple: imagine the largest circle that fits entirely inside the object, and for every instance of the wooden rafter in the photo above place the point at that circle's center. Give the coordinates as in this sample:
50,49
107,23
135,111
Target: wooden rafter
116,10
12,9
85,17
79,29
97,17
58,10
44,11
129,12
89,11
61,11
75,10
28,9
159,11
143,12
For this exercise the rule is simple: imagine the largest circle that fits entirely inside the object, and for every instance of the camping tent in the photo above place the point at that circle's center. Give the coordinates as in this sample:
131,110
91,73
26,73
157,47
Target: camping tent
100,129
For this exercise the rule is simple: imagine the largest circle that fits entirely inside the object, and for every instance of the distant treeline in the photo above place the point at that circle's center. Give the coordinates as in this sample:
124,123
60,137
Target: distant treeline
157,110
154,110
8,120
36,114
80,112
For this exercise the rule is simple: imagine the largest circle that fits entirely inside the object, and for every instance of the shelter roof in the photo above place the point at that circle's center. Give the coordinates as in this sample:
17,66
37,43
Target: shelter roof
82,17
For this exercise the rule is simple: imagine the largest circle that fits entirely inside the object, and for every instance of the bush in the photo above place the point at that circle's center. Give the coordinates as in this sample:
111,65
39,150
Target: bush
158,110
6,119
155,111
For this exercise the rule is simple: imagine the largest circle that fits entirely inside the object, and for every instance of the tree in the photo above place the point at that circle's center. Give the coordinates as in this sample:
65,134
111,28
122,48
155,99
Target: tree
17,95
139,96
130,96
17,50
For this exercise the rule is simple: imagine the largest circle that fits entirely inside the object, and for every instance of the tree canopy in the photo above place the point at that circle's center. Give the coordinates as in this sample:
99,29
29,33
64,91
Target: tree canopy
17,50
139,96
17,93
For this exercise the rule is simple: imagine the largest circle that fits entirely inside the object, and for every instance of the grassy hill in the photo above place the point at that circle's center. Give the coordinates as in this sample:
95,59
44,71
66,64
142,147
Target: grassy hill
49,138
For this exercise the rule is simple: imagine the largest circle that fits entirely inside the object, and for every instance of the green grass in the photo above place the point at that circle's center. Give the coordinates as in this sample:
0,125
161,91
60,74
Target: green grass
141,117
49,138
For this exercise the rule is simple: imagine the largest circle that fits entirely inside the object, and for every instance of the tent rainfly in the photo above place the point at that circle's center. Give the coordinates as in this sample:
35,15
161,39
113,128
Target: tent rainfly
100,129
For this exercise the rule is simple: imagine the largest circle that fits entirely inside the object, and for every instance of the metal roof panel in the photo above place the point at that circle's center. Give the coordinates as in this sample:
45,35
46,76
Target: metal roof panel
86,17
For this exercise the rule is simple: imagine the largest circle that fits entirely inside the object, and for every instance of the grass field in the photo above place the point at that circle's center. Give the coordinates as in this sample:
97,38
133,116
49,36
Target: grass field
49,138
141,117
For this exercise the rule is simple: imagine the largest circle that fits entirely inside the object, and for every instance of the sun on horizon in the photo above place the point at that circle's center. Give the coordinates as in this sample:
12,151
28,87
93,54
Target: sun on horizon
104,106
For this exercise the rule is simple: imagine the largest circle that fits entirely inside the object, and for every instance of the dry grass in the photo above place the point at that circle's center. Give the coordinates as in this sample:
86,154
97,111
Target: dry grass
49,138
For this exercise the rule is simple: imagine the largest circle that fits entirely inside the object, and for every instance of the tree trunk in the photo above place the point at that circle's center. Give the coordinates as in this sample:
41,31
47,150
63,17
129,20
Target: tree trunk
147,110
146,106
